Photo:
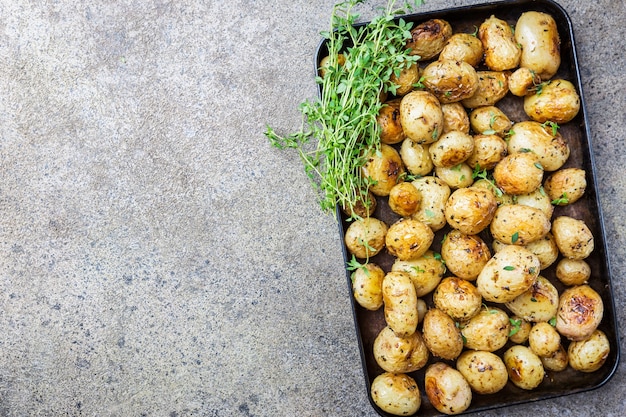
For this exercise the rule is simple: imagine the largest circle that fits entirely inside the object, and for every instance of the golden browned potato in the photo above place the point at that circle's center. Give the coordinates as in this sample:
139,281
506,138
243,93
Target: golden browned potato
537,304
408,239
566,186
508,274
580,312
457,176
557,101
463,47
429,38
457,298
470,210
488,151
524,367
523,81
518,173
326,63
367,286
450,81
455,118
365,237
520,329
487,331
451,149
573,237
465,255
404,199
484,371
447,389
590,354
421,116
501,49
538,35
542,141
435,193
400,354
543,339
489,185
490,120
396,393
388,120
492,87
441,335
556,362
400,303
384,168
546,250
514,224
573,271
538,199
425,272
416,157
363,208
404,79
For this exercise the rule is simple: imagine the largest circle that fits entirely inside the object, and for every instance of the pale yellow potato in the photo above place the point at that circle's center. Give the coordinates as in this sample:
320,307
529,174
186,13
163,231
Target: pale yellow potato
326,64
573,237
558,101
458,298
441,335
566,186
492,87
450,81
400,354
455,118
425,272
416,157
538,35
404,199
465,255
556,362
457,176
580,312
543,339
488,151
573,271
447,389
590,354
514,224
463,47
396,393
367,283
389,125
363,208
470,210
508,274
520,329
546,250
429,38
490,120
487,331
421,116
422,308
404,79
400,303
365,237
408,239
484,371
524,367
384,168
538,199
551,149
538,304
490,186
435,193
501,49
451,149
523,81
518,173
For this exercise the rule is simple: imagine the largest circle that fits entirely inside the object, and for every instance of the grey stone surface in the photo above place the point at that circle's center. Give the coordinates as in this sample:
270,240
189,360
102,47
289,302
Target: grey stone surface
157,256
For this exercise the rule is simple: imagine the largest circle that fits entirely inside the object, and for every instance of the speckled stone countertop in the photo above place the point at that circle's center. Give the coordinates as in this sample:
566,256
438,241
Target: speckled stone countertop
157,256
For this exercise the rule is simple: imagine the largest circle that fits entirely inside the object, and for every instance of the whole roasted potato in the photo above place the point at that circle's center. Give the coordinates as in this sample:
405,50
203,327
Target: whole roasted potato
556,101
400,303
429,38
327,64
396,393
546,250
489,185
400,354
363,208
465,255
434,193
457,176
408,239
365,237
515,224
523,81
537,304
488,151
548,146
590,354
404,199
404,79
580,312
573,237
447,389
508,274
484,371
538,35
367,285
470,209
388,120
441,335
572,271
426,272
490,120
492,87
421,116
524,367
451,149
450,81
538,199
384,168
457,298
566,186
518,173
501,49
463,47
556,362
487,331
455,118
543,339
416,157
520,329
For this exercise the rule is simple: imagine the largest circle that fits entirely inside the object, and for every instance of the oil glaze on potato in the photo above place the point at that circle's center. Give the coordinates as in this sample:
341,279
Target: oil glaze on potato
520,329
450,81
367,286
363,208
518,173
546,250
566,186
573,237
492,87
429,38
447,389
487,331
580,312
543,339
556,362
416,157
501,49
538,35
421,117
404,79
558,102
455,118
404,199
396,393
451,149
590,354
523,81
573,271
538,199
465,255
457,176
408,239
365,237
457,298
441,335
384,168
400,303
463,47
470,210
515,224
425,272
484,371
538,304
524,367
551,149
388,120
434,193
400,354
490,120
488,151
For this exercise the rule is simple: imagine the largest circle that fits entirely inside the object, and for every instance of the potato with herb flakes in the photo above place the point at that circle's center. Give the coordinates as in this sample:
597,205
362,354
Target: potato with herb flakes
463,47
543,339
400,303
465,255
518,173
573,237
396,393
487,331
367,283
555,100
520,329
447,389
524,367
434,193
425,272
326,64
488,151
515,224
542,140
400,354
546,250
538,304
538,199
363,208
484,371
556,362
384,168
421,117
458,298
501,49
538,35
416,158
458,176
455,118
388,120
590,354
441,335
365,237
492,87
490,120
450,81
580,312
408,239
573,271
470,210
451,149
429,38
566,186
404,199
523,81
404,79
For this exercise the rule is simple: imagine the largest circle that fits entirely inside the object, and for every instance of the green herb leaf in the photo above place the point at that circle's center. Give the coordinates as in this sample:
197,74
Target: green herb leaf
514,237
509,268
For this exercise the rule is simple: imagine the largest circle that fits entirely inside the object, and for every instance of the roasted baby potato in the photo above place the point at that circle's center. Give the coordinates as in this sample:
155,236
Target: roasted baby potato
538,35
484,371
366,237
556,101
408,239
396,393
590,354
524,367
546,250
514,224
523,81
465,255
490,120
425,272
404,79
463,47
388,120
455,118
367,285
451,149
458,298
384,168
487,331
470,210
492,87
538,199
543,339
441,335
421,116
520,329
538,304
429,38
416,157
363,208
404,199
457,176
573,237
400,354
447,389
580,312
518,173
488,151
501,49
400,303
548,146
566,186
450,81
556,362
435,193
572,271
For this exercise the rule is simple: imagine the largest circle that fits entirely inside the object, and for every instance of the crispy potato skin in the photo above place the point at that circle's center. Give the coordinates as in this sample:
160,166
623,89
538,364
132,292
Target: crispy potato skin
580,312
463,47
450,81
447,389
396,393
421,117
524,367
429,38
465,255
590,354
558,102
385,168
400,303
388,120
501,49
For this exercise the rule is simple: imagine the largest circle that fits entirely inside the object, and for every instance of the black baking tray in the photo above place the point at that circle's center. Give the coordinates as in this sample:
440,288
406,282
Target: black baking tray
576,132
